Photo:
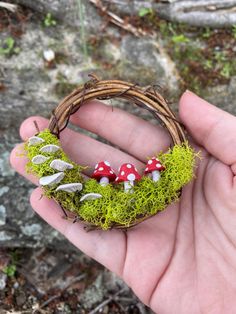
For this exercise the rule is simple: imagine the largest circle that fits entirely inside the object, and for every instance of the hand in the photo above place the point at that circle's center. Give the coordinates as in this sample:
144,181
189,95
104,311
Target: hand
182,260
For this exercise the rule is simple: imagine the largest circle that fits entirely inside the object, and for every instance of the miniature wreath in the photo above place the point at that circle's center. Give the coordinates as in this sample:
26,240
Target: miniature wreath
108,199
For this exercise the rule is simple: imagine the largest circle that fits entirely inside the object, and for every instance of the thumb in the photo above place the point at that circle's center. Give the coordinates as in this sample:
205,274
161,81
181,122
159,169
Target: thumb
211,127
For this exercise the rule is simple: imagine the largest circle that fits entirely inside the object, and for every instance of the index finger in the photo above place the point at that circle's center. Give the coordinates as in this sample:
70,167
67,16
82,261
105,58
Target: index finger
108,248
211,127
132,134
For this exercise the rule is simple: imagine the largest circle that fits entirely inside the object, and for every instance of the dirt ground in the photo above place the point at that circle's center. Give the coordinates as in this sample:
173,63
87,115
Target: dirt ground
50,281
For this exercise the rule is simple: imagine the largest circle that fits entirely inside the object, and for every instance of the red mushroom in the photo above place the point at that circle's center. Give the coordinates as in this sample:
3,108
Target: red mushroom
104,173
128,174
154,167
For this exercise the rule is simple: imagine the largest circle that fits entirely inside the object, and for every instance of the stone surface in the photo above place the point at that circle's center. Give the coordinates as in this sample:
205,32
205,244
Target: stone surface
32,230
5,168
144,60
66,11
2,215
204,13
208,13
94,294
4,190
224,96
52,281
3,279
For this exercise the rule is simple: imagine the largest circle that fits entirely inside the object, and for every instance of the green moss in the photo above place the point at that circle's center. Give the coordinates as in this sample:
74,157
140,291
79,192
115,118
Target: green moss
67,200
117,207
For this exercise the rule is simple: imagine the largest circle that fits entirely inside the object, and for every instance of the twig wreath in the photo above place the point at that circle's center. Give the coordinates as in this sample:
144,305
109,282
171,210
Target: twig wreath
109,199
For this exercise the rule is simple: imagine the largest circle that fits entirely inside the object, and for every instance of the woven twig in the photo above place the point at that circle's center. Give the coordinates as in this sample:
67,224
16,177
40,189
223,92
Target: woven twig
147,98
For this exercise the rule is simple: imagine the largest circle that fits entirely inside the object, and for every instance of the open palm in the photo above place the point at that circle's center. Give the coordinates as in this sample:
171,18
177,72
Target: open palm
182,260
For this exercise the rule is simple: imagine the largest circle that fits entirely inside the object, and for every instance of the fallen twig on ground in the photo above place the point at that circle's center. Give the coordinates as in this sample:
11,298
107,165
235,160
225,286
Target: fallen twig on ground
9,6
118,21
56,296
208,13
107,301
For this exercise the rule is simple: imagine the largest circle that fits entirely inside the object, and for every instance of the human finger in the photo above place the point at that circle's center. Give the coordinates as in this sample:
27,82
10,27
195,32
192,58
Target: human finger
108,248
132,134
210,126
81,148
18,160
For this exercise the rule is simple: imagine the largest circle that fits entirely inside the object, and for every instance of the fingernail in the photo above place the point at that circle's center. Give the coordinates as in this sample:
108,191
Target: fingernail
188,91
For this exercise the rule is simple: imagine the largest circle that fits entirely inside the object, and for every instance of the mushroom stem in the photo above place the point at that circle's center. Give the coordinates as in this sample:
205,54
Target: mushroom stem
156,175
128,186
104,181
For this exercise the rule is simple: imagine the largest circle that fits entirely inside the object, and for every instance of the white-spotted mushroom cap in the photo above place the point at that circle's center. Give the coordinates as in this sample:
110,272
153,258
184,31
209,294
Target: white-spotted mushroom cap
103,169
35,140
153,164
128,172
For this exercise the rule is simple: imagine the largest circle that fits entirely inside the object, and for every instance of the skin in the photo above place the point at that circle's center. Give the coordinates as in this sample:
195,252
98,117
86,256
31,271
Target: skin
182,260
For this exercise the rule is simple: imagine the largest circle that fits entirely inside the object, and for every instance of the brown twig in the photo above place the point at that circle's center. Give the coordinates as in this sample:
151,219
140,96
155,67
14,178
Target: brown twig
203,13
118,21
56,296
8,6
107,301
149,99
36,126
52,298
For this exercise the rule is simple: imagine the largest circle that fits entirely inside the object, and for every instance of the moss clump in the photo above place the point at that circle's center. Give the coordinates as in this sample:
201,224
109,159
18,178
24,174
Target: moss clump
119,208
67,200
115,207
